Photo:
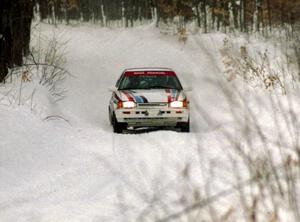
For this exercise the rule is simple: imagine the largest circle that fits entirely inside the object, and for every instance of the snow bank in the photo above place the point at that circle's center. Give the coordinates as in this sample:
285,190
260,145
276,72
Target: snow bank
67,165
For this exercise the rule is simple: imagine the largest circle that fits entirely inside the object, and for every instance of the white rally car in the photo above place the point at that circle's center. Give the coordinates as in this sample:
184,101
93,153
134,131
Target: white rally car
149,97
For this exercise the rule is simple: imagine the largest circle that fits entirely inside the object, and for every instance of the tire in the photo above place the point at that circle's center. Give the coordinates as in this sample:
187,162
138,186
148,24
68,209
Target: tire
110,116
118,127
185,127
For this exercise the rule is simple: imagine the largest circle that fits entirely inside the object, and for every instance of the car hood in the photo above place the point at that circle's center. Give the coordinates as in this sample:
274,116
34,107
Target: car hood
151,95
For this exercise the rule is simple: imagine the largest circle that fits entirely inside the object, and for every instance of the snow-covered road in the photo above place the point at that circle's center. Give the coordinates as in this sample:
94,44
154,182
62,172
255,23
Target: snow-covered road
97,58
53,171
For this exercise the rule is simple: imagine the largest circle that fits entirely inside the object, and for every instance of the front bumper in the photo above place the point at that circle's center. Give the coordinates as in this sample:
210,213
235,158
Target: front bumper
140,117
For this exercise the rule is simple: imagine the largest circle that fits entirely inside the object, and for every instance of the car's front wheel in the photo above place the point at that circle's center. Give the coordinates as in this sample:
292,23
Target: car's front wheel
110,116
118,127
184,127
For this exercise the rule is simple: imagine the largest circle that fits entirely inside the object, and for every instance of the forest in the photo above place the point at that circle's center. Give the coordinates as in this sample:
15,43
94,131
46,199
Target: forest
241,14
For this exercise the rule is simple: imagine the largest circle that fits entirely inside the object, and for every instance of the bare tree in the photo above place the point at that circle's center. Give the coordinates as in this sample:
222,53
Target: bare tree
15,24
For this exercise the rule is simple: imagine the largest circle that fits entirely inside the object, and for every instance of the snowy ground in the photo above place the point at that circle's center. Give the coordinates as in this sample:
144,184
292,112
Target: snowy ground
79,170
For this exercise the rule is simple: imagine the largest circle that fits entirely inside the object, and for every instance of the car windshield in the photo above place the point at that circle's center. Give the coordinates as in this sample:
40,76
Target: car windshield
149,82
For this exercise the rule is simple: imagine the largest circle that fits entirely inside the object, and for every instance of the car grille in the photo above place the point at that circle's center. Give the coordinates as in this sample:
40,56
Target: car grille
151,105
146,118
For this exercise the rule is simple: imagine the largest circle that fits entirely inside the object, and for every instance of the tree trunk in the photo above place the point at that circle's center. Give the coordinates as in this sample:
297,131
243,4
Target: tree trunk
198,13
15,23
235,14
125,8
43,8
269,15
204,15
243,16
214,7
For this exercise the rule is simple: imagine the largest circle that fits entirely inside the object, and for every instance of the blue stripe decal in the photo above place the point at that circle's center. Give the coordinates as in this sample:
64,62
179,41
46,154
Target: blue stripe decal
138,99
144,99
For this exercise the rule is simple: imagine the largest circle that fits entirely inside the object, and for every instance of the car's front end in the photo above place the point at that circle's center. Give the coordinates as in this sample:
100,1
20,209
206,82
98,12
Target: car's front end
144,113
151,103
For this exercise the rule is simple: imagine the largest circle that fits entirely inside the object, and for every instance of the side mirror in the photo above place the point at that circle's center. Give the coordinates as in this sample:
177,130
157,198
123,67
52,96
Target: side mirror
112,89
188,89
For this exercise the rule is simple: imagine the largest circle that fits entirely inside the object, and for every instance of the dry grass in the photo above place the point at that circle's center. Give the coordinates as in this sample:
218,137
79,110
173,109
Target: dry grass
44,67
262,149
256,71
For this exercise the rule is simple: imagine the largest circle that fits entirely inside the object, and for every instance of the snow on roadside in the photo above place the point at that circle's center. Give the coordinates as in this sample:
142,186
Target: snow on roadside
73,168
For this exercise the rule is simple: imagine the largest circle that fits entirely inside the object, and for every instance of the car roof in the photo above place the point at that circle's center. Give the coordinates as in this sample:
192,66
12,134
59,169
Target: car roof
147,69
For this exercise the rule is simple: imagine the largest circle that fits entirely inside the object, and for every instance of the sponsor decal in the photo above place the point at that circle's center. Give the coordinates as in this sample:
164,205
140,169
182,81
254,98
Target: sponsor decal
149,73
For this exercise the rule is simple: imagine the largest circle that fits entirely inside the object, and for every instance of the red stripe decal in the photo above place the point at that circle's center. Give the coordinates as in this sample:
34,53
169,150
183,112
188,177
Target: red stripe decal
178,93
169,95
128,96
118,98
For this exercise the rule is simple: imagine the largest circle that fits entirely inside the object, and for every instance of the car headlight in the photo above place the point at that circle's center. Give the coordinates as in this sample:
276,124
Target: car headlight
176,104
179,104
128,105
